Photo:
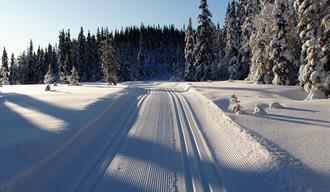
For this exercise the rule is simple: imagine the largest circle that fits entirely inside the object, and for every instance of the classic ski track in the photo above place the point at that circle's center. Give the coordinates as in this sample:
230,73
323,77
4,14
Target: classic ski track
193,141
88,179
120,161
155,176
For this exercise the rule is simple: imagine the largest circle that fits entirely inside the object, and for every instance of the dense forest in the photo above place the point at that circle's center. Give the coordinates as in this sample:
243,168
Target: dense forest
265,41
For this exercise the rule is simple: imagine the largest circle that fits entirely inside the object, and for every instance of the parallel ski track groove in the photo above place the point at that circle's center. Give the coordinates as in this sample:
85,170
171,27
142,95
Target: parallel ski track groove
197,141
114,143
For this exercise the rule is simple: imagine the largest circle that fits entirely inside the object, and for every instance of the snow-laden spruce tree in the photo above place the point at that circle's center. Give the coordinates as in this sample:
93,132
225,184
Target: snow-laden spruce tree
49,77
13,70
74,77
178,63
189,72
5,68
109,61
203,51
325,46
233,41
312,73
141,70
251,9
280,51
261,66
218,73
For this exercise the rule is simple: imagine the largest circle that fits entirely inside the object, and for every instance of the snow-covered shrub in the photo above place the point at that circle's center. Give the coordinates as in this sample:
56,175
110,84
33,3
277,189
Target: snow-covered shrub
49,77
74,77
47,88
5,79
235,106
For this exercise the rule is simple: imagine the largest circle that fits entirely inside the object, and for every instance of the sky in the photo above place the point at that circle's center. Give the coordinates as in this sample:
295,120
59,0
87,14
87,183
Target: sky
41,20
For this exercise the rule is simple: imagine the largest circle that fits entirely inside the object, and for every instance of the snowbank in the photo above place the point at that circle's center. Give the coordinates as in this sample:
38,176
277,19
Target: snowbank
294,131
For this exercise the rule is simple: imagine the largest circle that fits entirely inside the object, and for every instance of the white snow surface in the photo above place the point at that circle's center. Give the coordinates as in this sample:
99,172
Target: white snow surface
294,130
162,136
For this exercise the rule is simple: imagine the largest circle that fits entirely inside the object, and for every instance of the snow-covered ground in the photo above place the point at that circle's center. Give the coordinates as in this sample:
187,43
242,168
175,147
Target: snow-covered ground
162,136
297,132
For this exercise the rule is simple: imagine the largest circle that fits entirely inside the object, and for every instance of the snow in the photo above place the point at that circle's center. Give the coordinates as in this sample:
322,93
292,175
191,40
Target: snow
163,136
294,130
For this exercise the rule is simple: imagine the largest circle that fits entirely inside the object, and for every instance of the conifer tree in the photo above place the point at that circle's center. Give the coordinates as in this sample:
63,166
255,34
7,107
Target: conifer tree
109,61
312,73
4,67
22,69
49,77
250,9
189,53
141,70
233,41
31,64
203,52
74,77
280,51
81,55
12,70
261,66
62,54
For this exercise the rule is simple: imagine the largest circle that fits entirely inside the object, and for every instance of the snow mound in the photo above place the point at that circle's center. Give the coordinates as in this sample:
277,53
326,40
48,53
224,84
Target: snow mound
276,105
258,110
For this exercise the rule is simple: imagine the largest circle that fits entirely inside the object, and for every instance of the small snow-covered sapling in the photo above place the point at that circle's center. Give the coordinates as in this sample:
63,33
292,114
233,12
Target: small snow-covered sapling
235,106
47,88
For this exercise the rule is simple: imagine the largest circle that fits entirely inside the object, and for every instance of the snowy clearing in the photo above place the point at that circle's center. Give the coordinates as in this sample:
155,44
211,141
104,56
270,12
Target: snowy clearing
162,136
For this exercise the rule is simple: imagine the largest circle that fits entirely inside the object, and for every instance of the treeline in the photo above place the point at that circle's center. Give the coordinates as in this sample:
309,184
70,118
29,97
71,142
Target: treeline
163,50
266,41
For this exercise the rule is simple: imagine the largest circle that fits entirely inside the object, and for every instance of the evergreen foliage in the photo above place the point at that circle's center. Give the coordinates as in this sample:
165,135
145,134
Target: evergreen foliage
203,53
109,61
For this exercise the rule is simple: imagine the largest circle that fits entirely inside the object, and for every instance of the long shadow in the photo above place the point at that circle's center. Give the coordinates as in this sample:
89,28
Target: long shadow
265,91
40,141
296,120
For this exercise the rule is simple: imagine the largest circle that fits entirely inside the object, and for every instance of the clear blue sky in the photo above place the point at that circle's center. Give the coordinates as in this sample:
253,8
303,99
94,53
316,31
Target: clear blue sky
41,20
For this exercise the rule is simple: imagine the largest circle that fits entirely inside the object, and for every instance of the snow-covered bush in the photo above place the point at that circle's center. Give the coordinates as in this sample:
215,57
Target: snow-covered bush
74,77
235,106
47,88
49,77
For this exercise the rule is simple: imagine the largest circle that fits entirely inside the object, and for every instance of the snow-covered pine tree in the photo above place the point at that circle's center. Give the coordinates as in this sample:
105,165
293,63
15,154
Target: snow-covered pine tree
74,78
81,55
251,9
233,41
312,71
325,45
62,55
31,64
109,61
203,51
5,68
141,70
40,65
49,77
261,66
218,47
12,70
178,63
189,52
280,53
22,68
